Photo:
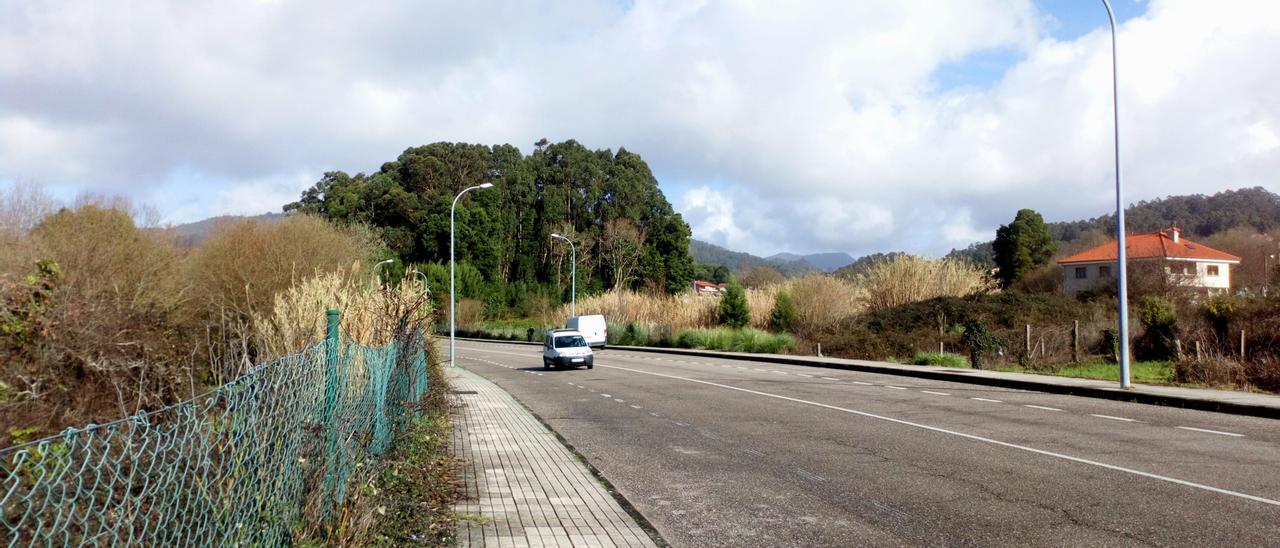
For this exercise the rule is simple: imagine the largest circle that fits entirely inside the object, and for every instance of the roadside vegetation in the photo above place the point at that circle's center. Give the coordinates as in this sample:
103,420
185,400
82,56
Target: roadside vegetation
903,308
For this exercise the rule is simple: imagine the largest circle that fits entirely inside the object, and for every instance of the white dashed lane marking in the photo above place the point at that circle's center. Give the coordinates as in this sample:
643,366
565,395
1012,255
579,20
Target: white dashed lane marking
894,387
1194,429
1109,417
1042,407
829,379
935,393
987,400
862,383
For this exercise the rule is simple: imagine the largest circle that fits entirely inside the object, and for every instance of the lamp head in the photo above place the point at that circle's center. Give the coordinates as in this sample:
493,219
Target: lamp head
556,235
486,185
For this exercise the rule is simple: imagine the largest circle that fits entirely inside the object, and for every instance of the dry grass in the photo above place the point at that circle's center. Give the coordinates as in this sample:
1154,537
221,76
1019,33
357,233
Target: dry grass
823,301
371,316
907,278
820,301
679,311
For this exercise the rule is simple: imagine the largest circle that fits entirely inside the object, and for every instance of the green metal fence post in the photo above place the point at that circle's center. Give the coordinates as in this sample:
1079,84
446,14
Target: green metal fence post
332,349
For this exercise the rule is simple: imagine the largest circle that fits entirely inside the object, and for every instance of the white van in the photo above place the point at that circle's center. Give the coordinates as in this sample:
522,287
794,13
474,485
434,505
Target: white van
566,348
592,328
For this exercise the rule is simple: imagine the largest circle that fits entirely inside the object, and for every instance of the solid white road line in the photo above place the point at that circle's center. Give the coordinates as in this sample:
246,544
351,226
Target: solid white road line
1109,417
1194,429
987,400
1042,407
935,393
973,437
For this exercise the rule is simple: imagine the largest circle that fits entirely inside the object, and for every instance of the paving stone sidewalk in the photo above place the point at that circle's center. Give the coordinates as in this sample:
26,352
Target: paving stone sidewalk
528,488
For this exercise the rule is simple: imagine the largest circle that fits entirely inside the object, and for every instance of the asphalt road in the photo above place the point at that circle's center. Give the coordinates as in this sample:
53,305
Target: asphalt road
719,452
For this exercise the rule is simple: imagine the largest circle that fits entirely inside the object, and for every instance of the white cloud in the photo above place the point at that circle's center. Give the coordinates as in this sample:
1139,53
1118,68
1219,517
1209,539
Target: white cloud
826,117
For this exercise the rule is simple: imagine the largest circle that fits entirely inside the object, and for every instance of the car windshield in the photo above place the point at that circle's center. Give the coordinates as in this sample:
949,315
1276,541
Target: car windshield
570,341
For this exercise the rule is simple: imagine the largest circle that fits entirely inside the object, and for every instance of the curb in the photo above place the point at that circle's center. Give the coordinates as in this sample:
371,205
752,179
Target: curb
961,376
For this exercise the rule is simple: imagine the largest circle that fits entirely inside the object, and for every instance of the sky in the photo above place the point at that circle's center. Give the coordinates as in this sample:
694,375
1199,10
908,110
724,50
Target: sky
869,126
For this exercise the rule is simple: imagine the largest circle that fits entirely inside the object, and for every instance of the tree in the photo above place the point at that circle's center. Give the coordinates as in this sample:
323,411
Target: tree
734,310
622,245
714,273
504,232
784,312
761,276
1022,246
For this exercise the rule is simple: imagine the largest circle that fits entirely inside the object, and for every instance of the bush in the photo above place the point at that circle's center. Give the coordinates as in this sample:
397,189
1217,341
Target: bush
734,311
945,359
979,340
244,264
784,312
1161,329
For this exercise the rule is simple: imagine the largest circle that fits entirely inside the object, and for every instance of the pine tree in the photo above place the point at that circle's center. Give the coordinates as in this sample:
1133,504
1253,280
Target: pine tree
784,312
734,310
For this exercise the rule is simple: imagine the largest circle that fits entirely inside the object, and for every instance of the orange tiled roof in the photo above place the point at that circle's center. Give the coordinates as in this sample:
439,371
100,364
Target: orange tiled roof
1154,245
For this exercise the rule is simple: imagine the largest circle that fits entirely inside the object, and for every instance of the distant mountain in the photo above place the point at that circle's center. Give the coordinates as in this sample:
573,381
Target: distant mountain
825,262
737,261
828,262
1198,215
864,263
194,233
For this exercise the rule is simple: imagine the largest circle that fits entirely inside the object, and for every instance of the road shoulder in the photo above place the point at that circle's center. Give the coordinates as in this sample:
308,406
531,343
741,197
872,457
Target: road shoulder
523,486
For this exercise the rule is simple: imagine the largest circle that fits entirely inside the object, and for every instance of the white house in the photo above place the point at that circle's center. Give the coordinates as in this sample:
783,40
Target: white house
1186,263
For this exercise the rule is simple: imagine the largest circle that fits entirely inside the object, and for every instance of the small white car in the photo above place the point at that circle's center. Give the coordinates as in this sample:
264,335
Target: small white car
566,348
593,328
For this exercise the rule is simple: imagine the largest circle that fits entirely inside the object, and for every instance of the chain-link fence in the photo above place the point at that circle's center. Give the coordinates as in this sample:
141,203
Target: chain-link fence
263,460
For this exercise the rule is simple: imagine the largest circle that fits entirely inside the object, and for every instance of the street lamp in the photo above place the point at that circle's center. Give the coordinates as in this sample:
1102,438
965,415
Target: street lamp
1121,257
425,290
453,313
573,299
376,279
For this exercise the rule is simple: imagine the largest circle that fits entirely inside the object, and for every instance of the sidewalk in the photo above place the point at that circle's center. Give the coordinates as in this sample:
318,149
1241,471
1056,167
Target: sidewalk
527,488
1204,399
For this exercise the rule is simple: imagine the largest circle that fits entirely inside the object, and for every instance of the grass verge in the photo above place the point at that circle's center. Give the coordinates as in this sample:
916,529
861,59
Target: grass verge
1150,372
945,359
412,498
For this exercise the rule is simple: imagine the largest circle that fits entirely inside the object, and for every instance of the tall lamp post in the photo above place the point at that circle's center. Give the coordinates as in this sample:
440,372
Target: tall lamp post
453,313
573,287
1121,255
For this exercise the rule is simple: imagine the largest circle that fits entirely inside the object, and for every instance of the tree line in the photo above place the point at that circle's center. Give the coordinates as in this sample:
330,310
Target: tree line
626,233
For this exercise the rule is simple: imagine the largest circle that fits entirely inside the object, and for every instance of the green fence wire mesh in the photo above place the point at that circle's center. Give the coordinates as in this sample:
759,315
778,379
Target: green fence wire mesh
263,460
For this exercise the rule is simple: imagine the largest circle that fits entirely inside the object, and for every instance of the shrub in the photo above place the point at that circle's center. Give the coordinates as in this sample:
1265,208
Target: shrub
243,264
784,312
734,310
979,340
945,359
1161,329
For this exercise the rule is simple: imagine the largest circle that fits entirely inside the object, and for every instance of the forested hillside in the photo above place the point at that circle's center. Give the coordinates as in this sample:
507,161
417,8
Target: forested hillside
739,262
1198,215
626,232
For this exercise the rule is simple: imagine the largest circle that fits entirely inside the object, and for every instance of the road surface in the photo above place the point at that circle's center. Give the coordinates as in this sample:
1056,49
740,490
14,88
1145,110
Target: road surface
718,452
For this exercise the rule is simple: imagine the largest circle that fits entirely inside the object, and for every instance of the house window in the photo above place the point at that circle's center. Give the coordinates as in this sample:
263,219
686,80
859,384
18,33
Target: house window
1104,271
1212,270
1082,272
